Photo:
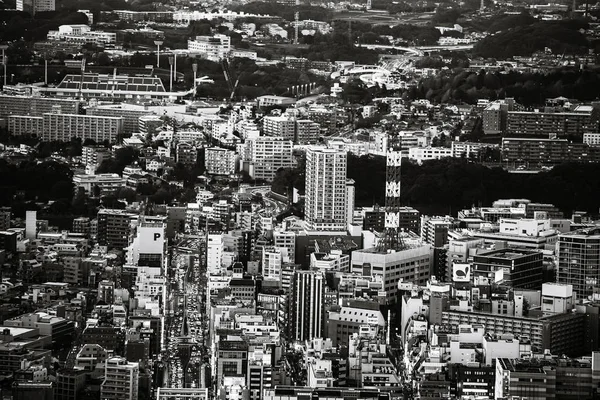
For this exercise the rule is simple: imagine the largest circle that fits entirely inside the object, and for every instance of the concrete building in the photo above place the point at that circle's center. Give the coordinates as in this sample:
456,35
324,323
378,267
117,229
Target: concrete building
420,154
282,126
120,380
64,127
544,124
34,6
131,116
36,106
434,230
353,314
412,264
69,383
115,228
326,192
537,152
264,156
24,125
219,161
106,183
518,268
578,260
186,154
495,116
213,48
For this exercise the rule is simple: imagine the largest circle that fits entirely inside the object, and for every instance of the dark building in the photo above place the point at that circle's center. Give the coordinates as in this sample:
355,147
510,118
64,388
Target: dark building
109,337
410,219
33,390
114,228
8,242
307,305
466,380
546,152
521,268
69,383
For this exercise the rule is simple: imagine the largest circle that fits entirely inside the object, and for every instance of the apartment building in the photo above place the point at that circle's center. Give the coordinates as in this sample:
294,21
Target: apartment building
25,125
106,183
546,152
115,227
36,106
34,6
64,127
544,124
219,161
282,126
265,155
326,192
120,380
131,116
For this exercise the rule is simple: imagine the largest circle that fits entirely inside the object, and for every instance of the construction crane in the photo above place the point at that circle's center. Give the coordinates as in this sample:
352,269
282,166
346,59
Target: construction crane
229,79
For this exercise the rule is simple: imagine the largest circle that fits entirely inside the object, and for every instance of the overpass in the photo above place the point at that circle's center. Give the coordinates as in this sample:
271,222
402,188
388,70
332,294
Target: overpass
412,50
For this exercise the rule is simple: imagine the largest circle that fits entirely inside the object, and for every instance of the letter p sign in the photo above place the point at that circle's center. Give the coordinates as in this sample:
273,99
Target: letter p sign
156,236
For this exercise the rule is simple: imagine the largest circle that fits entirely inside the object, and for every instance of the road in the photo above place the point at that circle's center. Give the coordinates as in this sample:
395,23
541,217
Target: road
185,352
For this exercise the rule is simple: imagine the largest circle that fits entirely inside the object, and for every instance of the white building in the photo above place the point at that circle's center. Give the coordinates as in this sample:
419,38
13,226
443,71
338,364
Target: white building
282,126
266,155
272,259
107,183
64,127
420,154
214,253
591,139
326,192
219,161
120,380
148,245
213,48
82,34
34,6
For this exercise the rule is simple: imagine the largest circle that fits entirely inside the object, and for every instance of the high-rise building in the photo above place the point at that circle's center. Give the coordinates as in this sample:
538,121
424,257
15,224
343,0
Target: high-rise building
120,380
326,192
519,268
307,305
578,260
435,230
131,116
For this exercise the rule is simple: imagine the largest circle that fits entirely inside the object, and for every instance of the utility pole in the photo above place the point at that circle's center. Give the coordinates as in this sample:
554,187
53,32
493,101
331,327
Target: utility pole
171,74
158,43
195,69
296,26
3,47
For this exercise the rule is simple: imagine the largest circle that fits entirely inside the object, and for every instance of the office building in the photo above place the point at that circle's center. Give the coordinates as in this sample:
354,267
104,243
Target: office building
307,306
578,260
31,224
412,264
326,192
64,127
69,383
120,380
353,314
264,156
517,268
114,228
219,161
